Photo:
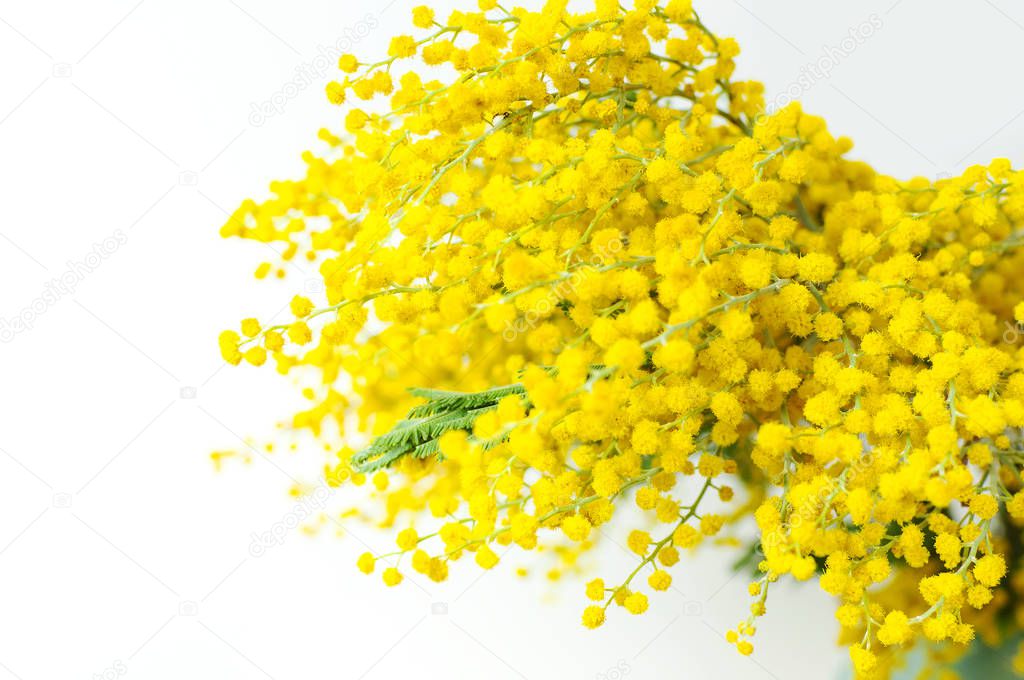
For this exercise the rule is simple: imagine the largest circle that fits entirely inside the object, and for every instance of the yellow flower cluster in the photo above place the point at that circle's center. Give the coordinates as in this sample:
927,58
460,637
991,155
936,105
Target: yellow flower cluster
677,293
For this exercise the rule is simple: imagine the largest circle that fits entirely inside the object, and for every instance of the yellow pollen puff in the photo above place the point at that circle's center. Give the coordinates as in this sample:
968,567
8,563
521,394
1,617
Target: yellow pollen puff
485,557
659,580
726,408
989,570
895,630
256,356
576,527
407,539
638,541
402,46
391,576
686,536
636,603
593,616
348,63
301,306
366,563
984,506
250,327
816,268
336,95
422,16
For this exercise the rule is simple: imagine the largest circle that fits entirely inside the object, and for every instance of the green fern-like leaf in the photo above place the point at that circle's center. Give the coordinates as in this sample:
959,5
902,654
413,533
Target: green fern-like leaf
440,401
418,434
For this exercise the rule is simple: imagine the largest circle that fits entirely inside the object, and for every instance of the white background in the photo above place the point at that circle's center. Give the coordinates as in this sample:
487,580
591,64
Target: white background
122,552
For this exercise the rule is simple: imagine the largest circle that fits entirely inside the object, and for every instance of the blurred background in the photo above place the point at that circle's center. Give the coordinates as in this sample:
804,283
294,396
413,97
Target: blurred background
127,131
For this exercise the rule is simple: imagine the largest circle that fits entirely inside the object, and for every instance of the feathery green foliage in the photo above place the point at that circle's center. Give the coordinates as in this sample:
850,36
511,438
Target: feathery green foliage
417,435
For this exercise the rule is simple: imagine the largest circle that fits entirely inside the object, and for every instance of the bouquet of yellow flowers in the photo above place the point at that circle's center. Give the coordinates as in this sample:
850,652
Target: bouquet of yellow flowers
575,266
